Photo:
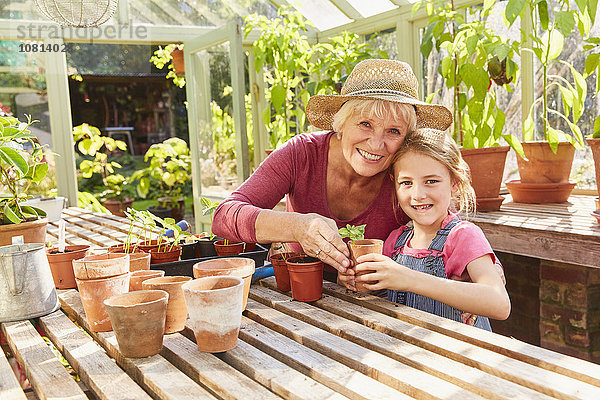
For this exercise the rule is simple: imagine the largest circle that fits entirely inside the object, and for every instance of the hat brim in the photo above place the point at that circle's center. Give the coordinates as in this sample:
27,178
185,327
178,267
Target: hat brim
320,109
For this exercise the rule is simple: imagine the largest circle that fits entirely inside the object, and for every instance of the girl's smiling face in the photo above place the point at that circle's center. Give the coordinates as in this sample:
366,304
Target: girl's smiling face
424,188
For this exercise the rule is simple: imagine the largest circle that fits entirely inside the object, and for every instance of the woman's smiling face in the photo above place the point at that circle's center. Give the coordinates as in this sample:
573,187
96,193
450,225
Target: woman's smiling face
369,143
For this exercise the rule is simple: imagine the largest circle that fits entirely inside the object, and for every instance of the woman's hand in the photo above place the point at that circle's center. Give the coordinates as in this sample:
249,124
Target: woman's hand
319,238
382,272
347,280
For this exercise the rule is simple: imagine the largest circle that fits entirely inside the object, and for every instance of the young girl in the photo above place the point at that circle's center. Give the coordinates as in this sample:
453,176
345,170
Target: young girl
430,176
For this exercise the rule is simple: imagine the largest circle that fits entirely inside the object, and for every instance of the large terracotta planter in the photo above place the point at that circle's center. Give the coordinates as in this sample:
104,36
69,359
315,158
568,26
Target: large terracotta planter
280,270
176,308
487,169
32,232
93,292
360,248
138,277
159,257
138,320
538,193
215,307
306,278
234,266
595,146
61,265
543,166
230,249
101,266
117,207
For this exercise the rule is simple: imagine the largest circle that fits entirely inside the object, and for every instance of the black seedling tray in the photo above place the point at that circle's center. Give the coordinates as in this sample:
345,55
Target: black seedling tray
185,267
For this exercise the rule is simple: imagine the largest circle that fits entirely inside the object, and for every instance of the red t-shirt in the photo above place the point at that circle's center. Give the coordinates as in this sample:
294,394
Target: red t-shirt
299,170
465,243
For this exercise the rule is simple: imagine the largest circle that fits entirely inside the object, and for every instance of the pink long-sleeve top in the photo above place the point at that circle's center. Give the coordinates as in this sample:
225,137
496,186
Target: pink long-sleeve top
299,170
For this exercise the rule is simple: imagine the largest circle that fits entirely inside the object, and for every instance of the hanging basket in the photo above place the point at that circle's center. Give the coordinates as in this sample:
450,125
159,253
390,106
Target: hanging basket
77,13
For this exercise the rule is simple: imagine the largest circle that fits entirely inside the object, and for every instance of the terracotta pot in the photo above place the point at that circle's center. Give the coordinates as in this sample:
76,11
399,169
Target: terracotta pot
215,307
176,308
148,245
138,320
249,247
306,278
157,257
61,265
137,277
178,61
487,169
206,248
93,292
138,261
230,249
117,207
101,266
360,248
32,232
282,277
543,166
539,193
595,146
120,248
233,266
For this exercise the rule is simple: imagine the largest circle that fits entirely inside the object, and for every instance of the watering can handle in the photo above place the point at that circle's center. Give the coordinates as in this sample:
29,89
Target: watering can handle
13,270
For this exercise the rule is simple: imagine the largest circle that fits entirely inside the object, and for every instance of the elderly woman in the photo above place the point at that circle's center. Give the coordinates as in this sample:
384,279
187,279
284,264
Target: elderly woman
339,176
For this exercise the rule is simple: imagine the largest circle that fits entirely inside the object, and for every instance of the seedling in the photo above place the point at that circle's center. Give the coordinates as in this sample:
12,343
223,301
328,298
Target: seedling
353,232
208,208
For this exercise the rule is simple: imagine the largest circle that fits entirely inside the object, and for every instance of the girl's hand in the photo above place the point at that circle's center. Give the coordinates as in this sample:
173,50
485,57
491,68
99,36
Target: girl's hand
347,280
319,238
382,272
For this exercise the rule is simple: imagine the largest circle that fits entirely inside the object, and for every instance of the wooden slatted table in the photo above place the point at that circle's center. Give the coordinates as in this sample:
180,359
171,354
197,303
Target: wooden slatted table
344,346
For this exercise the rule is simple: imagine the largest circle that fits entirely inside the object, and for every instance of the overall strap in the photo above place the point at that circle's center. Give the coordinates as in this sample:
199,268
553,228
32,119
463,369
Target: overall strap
403,238
439,240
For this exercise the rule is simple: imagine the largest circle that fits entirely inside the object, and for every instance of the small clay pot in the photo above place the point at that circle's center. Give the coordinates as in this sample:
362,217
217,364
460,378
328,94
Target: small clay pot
249,247
147,245
176,308
61,264
206,248
138,320
282,277
159,257
137,277
215,307
360,248
306,278
234,266
101,266
93,292
230,249
120,248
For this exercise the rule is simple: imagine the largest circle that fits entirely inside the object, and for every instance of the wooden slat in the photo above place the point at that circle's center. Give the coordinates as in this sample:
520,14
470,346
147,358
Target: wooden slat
217,376
105,231
90,236
325,370
399,376
95,368
9,385
469,378
108,220
281,379
52,235
571,367
155,374
47,376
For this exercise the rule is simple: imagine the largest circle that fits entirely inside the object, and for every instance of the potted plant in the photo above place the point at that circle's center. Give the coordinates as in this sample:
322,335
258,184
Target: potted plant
592,62
549,147
167,249
359,246
475,62
306,277
170,165
280,253
116,195
22,164
172,56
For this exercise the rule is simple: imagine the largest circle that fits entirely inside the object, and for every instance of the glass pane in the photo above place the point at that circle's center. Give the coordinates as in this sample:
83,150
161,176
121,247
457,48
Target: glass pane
372,7
322,13
386,41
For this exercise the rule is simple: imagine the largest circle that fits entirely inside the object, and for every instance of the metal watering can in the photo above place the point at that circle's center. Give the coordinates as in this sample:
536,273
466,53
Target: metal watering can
26,285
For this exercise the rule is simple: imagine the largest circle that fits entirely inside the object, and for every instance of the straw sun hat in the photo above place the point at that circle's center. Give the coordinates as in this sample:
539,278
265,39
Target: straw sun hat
389,80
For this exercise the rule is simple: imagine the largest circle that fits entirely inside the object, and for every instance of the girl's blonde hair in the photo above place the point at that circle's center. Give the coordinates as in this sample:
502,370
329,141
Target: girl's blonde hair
442,148
381,109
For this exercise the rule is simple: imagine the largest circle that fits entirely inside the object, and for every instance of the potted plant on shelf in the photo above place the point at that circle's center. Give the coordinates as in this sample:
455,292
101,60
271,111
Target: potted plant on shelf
549,147
475,62
592,62
22,163
116,197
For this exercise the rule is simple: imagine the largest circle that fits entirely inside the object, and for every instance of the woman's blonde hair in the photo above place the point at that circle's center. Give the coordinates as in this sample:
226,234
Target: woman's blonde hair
442,148
380,109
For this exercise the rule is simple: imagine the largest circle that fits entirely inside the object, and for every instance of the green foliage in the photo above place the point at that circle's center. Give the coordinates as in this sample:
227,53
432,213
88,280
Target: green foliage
88,201
592,63
553,20
163,57
474,57
353,232
22,164
208,208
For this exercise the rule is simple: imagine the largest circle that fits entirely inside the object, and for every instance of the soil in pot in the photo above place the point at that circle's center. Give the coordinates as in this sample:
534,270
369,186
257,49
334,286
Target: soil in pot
233,266
61,265
230,249
101,266
306,278
172,254
360,248
215,307
138,277
176,308
93,292
282,276
138,320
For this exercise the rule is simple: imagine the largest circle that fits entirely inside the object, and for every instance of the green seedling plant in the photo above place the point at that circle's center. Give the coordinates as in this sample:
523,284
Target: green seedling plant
353,232
208,208
132,238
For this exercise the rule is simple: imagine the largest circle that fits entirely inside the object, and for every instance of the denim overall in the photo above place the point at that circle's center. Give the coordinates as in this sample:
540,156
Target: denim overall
432,265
